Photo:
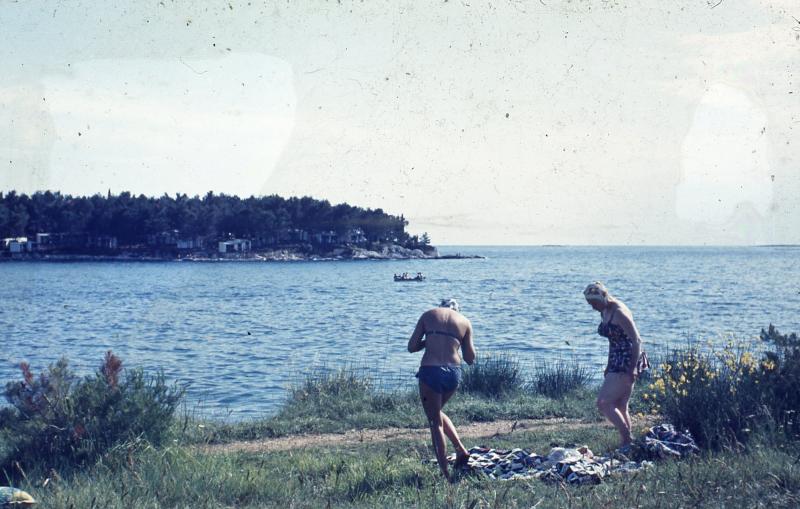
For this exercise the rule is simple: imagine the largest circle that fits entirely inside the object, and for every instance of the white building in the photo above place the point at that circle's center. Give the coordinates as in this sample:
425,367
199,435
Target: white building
16,245
196,243
234,246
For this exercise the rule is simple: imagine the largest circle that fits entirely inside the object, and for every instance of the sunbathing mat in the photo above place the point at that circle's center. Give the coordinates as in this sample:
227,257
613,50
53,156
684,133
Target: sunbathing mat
578,465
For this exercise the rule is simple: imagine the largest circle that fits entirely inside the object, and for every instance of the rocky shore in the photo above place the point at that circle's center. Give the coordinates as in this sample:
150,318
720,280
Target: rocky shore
289,254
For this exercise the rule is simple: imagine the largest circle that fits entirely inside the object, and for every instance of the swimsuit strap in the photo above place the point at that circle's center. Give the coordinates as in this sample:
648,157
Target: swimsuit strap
611,316
443,333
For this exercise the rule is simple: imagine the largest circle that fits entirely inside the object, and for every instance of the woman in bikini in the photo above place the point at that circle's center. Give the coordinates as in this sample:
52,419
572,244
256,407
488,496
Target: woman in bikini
626,358
442,332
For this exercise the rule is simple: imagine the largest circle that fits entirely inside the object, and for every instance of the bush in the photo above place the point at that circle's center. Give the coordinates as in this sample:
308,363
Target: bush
493,375
713,395
342,383
336,395
58,418
780,378
724,396
559,379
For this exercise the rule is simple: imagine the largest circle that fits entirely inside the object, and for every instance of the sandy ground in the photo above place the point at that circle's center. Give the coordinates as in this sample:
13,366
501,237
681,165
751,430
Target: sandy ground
352,437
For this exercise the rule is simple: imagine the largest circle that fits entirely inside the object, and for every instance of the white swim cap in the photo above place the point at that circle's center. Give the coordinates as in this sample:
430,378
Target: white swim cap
450,303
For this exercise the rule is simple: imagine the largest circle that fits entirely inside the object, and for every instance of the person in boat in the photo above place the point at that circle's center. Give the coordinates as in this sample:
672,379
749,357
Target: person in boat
626,358
446,336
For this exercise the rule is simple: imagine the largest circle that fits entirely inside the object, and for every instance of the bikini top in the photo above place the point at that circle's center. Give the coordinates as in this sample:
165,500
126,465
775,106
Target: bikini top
610,330
443,333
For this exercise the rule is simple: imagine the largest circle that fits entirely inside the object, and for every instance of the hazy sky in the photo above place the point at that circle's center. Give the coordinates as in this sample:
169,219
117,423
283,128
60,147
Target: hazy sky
508,122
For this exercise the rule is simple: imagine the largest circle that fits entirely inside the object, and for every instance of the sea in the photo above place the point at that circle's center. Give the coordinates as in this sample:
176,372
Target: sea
239,334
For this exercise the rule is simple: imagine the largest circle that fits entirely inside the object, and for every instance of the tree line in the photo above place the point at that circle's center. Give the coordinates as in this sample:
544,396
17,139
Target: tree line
131,218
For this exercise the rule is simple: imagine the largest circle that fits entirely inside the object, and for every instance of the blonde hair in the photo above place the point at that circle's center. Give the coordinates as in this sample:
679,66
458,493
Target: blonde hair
597,291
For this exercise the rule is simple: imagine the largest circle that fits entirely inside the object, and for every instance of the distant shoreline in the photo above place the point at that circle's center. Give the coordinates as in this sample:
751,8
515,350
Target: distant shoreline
279,255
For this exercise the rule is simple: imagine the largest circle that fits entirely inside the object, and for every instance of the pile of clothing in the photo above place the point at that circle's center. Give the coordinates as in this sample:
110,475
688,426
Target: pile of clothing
663,441
572,465
578,465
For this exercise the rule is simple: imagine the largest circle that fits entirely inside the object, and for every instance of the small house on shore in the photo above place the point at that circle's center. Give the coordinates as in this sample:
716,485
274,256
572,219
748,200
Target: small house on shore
355,236
173,239
325,238
234,246
190,243
17,245
106,242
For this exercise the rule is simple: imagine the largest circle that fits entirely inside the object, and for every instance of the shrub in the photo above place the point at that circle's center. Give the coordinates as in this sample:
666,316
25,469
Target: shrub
559,379
344,382
58,418
780,378
723,396
334,395
713,395
493,375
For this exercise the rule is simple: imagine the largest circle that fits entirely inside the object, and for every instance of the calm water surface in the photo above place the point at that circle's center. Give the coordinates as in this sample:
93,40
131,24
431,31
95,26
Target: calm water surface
240,333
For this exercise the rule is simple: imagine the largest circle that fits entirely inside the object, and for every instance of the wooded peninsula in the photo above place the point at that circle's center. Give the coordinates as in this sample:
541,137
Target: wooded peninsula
51,225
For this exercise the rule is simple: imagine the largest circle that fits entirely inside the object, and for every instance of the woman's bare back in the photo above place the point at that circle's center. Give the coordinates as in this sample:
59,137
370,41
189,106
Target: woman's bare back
446,332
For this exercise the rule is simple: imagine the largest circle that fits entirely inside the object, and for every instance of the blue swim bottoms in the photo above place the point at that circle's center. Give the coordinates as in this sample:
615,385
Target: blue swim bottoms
441,379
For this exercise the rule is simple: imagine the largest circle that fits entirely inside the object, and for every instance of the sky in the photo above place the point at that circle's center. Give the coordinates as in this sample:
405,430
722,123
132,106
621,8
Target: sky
505,123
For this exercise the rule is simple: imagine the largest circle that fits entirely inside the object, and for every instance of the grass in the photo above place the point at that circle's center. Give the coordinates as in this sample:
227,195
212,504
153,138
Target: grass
375,411
559,379
393,475
346,399
493,375
764,472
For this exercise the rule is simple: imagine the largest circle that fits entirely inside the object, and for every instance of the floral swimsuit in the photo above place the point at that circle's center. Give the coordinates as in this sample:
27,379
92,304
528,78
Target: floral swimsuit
620,349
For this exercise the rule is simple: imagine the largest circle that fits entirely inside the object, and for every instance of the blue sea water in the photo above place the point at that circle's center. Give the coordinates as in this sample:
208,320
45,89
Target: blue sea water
240,333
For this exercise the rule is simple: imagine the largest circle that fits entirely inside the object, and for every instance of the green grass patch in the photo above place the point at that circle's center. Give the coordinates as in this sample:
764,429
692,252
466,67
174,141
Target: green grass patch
493,375
559,378
393,475
346,399
375,410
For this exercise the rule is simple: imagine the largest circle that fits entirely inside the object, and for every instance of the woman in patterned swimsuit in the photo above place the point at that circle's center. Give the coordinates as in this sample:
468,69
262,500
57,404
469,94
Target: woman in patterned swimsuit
626,358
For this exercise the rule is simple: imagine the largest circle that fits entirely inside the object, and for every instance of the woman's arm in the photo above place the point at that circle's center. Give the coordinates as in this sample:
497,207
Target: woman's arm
630,330
467,348
416,343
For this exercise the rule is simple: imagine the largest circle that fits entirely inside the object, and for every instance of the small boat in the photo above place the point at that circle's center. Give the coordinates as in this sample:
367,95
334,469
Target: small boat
406,277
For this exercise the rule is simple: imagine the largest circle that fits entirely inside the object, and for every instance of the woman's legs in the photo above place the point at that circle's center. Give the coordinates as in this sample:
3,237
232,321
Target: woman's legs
441,425
612,401
461,452
432,404
622,406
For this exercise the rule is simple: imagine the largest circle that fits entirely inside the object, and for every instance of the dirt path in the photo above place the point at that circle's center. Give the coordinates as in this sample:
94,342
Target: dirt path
353,437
